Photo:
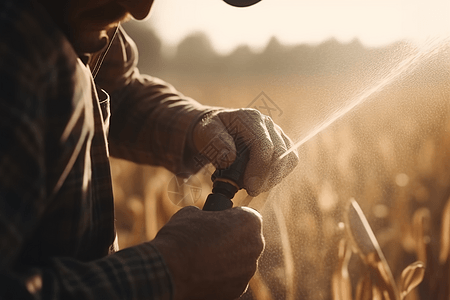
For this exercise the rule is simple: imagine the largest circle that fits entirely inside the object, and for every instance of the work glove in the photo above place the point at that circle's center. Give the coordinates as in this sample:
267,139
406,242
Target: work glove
225,133
211,255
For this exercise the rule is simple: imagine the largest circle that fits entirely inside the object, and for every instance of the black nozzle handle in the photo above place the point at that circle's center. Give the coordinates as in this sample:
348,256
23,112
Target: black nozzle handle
216,202
226,183
235,172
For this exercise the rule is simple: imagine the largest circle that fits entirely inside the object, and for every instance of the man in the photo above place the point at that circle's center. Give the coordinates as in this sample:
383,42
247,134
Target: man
57,59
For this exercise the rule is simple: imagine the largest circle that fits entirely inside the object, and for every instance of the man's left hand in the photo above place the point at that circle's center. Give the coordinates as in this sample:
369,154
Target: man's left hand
220,133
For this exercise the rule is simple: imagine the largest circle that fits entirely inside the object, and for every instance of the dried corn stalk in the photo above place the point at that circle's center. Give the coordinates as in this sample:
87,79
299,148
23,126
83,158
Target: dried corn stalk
412,275
364,288
366,245
378,282
421,233
341,284
445,235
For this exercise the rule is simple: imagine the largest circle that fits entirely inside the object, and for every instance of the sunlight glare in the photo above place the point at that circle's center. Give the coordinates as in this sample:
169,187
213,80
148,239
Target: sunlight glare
375,23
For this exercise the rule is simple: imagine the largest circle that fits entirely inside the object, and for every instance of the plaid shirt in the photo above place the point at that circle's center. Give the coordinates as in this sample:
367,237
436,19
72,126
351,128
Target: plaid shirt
56,203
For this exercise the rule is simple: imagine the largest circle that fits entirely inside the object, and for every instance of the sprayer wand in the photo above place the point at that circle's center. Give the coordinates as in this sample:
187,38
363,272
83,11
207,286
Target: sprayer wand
226,183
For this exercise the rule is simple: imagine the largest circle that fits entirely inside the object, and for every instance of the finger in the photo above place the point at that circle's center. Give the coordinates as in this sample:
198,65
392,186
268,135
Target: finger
261,153
281,167
275,171
270,171
278,168
214,143
221,151
250,134
277,136
292,157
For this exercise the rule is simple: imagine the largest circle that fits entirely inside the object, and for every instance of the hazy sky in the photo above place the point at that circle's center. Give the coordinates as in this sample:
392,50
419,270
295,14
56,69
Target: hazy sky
374,22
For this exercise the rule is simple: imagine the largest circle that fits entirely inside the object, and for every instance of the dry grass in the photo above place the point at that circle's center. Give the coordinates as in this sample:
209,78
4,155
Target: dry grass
392,155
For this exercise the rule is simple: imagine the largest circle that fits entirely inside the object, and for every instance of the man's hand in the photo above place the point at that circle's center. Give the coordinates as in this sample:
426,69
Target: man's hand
211,255
220,133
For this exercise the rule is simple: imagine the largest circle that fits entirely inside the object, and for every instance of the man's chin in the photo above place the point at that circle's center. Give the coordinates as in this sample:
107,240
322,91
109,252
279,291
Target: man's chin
87,42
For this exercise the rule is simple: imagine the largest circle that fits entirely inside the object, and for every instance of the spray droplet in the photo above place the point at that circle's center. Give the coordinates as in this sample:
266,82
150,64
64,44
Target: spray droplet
402,179
381,211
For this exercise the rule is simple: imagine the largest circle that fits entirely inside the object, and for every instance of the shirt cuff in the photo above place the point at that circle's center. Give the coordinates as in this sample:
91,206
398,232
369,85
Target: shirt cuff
135,273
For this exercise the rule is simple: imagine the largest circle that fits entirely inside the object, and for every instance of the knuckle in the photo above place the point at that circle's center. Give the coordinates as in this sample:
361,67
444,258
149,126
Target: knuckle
255,241
185,212
287,139
256,248
293,160
251,112
264,148
250,226
252,217
261,244
189,209
253,192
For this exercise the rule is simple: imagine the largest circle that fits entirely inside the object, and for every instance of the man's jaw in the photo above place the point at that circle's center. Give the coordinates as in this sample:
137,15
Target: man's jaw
89,42
88,39
102,17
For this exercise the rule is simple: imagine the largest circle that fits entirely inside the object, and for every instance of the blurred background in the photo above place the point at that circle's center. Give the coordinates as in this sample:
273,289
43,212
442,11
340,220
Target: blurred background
363,87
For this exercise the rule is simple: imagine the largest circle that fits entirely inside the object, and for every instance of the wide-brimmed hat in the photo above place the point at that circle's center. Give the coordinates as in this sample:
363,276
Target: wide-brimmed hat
241,3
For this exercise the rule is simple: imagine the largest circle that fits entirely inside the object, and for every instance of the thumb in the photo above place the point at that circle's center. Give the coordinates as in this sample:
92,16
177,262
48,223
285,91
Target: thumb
212,141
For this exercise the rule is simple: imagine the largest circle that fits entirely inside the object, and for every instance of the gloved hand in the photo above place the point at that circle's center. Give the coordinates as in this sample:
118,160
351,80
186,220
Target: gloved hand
220,133
211,255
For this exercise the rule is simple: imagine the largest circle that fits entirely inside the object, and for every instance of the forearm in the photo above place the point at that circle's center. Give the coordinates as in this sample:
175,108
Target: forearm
153,124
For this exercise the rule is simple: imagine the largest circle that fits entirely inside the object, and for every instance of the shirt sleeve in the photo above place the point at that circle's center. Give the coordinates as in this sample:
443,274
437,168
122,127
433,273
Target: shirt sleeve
136,273
25,188
151,122
28,72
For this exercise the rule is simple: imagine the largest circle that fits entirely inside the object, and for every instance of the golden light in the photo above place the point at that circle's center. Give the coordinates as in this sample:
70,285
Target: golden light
373,22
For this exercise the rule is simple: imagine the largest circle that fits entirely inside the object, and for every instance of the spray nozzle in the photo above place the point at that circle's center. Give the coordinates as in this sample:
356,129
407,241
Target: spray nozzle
226,183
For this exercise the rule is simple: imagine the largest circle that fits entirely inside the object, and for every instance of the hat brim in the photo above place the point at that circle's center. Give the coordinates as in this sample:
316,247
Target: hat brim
241,3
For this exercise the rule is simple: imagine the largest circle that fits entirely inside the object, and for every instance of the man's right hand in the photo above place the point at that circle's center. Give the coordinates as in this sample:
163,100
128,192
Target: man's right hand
211,255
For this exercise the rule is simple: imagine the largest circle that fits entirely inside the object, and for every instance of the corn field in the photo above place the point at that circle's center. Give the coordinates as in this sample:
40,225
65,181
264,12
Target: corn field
365,215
